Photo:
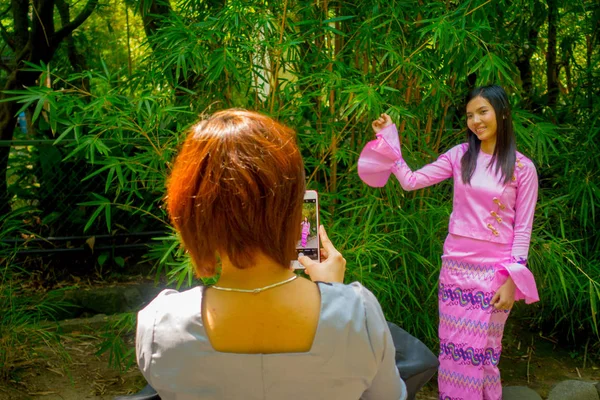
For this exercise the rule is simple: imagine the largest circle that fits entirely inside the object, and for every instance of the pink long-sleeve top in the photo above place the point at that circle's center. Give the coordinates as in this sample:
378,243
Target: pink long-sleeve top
486,209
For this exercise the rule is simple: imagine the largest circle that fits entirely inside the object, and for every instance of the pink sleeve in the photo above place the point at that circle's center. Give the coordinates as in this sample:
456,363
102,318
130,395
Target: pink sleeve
527,191
383,156
430,174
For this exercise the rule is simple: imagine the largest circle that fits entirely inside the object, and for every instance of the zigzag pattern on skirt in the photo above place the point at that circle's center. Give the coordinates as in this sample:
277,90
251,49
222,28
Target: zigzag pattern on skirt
479,299
470,326
444,397
483,272
468,382
471,355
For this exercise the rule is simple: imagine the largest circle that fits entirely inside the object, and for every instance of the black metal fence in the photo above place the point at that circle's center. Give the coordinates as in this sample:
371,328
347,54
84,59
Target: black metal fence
47,192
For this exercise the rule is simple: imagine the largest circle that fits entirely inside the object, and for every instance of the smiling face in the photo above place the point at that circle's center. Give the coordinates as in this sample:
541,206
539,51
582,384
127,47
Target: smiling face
481,120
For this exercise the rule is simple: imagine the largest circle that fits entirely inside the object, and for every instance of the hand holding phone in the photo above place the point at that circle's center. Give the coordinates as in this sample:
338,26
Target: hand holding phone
332,266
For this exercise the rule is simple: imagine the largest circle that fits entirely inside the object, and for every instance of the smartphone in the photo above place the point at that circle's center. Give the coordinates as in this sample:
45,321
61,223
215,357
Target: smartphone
308,243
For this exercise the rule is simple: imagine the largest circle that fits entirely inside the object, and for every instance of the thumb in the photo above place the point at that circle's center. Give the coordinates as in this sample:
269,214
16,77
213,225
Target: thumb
306,262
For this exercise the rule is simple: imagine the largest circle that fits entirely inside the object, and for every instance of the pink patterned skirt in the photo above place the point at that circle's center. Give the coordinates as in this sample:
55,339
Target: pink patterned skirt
470,327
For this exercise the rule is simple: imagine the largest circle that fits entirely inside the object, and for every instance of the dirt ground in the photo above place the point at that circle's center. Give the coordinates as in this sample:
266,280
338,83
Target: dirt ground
86,375
528,360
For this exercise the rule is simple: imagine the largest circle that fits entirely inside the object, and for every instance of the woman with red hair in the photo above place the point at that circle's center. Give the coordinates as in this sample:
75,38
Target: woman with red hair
235,196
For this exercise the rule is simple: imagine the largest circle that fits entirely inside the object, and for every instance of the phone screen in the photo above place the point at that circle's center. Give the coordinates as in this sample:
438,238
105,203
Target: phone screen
308,243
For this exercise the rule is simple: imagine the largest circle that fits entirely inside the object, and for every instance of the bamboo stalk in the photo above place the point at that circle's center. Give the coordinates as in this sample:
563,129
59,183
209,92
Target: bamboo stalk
128,40
441,128
275,72
478,7
427,140
407,97
255,81
428,127
402,127
399,84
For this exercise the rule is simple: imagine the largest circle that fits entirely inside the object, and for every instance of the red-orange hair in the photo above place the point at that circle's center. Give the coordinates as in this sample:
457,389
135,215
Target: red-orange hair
237,186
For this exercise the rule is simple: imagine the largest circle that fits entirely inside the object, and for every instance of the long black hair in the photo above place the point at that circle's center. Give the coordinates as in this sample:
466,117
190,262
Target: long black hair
504,155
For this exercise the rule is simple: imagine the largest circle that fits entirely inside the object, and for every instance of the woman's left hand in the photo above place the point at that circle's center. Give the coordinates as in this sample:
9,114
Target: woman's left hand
505,296
381,123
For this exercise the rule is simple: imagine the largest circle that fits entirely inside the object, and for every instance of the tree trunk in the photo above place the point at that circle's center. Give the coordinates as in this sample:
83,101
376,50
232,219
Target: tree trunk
523,62
551,66
591,44
36,43
76,59
155,14
8,121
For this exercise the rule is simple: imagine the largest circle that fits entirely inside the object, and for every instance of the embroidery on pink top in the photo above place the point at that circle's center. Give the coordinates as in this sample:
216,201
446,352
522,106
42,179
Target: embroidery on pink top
520,260
397,165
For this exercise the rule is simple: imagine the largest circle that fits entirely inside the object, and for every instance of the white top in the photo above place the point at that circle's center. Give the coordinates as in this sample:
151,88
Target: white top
352,355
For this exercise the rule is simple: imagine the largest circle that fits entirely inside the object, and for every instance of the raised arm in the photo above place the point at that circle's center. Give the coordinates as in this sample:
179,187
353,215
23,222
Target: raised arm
430,174
383,156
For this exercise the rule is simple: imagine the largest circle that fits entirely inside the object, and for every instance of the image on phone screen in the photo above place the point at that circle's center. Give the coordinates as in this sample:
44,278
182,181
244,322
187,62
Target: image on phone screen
308,242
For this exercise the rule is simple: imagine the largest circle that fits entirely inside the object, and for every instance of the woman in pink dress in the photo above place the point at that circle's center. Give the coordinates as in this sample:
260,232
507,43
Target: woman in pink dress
485,253
305,231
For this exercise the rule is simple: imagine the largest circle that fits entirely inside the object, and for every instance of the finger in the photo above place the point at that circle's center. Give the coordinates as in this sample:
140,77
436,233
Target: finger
306,262
324,254
325,242
327,245
495,298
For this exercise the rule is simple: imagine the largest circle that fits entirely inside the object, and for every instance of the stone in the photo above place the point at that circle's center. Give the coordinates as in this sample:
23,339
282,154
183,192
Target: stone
96,323
519,393
108,300
574,390
104,300
133,298
598,388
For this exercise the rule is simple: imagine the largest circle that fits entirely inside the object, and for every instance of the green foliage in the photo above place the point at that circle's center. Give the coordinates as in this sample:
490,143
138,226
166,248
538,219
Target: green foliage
328,71
21,331
121,355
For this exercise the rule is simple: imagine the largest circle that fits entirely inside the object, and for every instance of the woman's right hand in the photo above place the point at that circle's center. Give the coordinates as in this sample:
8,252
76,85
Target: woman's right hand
332,266
382,122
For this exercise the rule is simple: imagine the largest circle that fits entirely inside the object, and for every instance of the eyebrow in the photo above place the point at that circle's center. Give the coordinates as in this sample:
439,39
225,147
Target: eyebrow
482,107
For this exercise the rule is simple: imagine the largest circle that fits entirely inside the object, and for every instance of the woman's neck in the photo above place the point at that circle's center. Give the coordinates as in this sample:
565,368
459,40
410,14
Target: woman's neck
264,272
488,146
